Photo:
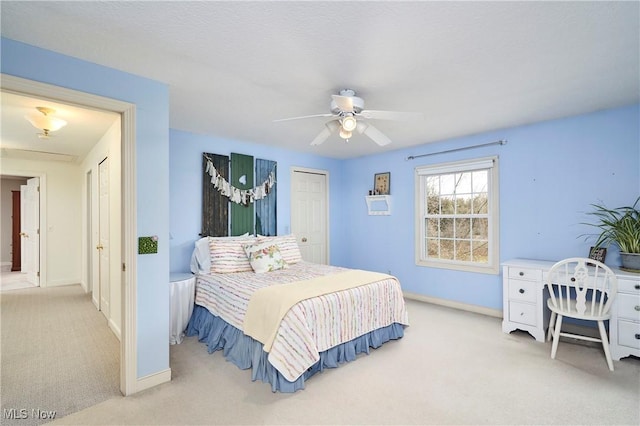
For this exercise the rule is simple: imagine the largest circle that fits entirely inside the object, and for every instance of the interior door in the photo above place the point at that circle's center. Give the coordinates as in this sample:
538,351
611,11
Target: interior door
309,214
103,237
16,236
30,224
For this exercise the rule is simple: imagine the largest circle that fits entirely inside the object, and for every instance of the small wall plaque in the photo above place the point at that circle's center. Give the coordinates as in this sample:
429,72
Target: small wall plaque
148,245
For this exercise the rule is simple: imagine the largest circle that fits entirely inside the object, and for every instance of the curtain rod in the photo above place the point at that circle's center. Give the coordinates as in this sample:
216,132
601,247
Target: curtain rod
500,142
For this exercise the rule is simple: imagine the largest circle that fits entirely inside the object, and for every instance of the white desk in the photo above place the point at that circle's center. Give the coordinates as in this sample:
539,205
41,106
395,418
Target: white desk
525,305
182,293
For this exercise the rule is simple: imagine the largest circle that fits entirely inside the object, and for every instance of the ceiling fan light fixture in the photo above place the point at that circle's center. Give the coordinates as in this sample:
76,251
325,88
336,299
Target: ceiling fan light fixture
45,121
344,134
349,123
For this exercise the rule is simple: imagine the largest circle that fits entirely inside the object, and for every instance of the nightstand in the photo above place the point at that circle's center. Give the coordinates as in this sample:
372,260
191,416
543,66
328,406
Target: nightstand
181,296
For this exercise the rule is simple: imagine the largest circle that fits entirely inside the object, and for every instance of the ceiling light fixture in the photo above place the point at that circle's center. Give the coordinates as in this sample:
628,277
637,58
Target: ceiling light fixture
45,122
344,134
349,123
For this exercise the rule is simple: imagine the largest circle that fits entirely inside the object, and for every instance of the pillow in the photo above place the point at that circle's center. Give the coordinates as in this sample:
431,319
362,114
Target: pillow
201,256
227,254
264,257
288,246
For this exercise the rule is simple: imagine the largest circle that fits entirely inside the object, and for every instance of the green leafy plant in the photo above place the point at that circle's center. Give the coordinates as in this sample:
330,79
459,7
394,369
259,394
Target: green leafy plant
620,225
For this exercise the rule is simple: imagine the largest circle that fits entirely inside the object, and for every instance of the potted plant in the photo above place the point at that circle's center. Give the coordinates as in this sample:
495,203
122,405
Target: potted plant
621,226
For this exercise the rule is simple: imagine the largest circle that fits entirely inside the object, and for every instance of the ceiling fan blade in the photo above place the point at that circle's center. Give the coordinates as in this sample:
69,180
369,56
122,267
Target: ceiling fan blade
304,116
345,103
373,133
390,115
329,128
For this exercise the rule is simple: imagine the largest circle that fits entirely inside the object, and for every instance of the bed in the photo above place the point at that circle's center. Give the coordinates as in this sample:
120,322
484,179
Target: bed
289,321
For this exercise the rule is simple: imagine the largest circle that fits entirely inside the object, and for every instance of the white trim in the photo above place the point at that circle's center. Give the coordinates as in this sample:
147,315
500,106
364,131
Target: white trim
456,166
486,163
497,313
152,380
59,283
296,169
128,347
115,329
129,223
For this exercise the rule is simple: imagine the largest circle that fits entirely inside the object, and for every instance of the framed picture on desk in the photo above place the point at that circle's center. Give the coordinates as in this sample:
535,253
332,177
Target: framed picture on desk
598,253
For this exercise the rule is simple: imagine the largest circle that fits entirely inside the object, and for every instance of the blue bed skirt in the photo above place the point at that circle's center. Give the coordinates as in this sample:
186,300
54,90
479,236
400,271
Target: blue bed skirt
246,352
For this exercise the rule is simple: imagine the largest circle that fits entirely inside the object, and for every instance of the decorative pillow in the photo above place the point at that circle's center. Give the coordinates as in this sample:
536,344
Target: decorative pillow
264,257
288,246
201,256
227,254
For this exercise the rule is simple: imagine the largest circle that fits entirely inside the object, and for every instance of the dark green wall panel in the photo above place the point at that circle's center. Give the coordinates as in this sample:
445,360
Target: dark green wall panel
241,215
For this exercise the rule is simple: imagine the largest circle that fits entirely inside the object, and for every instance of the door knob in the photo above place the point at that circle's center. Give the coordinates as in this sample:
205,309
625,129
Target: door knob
99,247
304,239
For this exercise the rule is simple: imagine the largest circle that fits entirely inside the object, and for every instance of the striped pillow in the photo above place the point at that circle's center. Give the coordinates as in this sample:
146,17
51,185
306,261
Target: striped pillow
227,255
288,246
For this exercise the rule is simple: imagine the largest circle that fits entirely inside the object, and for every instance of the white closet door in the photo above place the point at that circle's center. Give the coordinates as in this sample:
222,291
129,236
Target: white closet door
309,215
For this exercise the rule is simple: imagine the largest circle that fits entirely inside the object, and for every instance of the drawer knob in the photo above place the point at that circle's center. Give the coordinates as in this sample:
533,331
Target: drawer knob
637,307
638,336
521,291
637,286
521,274
573,279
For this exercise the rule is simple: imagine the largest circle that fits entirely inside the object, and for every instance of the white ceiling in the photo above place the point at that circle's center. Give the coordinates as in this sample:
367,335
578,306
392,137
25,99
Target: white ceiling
234,67
19,139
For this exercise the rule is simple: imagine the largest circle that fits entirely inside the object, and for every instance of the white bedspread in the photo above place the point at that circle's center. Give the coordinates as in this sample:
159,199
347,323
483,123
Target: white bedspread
313,325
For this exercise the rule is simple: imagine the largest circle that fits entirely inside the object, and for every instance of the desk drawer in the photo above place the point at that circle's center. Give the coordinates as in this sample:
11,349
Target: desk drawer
523,313
629,334
522,290
629,286
525,273
628,306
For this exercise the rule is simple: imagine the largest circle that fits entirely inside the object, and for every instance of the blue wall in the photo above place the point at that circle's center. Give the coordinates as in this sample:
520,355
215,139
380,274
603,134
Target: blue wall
152,178
185,161
550,173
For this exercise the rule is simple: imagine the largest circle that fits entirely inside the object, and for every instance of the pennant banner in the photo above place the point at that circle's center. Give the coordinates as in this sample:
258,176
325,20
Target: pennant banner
236,195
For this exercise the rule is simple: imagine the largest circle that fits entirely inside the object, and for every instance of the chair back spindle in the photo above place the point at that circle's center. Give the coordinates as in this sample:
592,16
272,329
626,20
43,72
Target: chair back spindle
581,287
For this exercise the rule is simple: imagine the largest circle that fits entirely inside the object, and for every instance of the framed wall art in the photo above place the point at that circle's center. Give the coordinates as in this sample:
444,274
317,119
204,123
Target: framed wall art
382,183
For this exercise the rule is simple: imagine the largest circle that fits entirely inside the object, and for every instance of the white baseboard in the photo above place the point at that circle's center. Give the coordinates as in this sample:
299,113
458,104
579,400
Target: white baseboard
453,304
58,283
152,380
114,328
5,266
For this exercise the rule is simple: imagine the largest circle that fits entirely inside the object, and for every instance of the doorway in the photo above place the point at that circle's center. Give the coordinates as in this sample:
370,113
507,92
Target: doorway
21,226
11,84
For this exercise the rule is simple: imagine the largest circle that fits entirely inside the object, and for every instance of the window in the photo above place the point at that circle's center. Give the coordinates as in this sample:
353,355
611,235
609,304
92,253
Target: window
457,215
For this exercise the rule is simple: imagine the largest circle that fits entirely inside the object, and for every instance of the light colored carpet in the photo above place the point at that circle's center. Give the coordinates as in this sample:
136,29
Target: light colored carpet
57,354
451,367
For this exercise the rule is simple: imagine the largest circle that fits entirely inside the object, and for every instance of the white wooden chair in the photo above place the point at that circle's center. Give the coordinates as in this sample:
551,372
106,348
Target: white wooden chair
584,289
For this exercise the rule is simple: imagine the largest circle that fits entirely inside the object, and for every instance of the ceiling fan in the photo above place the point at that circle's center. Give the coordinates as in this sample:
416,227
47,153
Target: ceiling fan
349,115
